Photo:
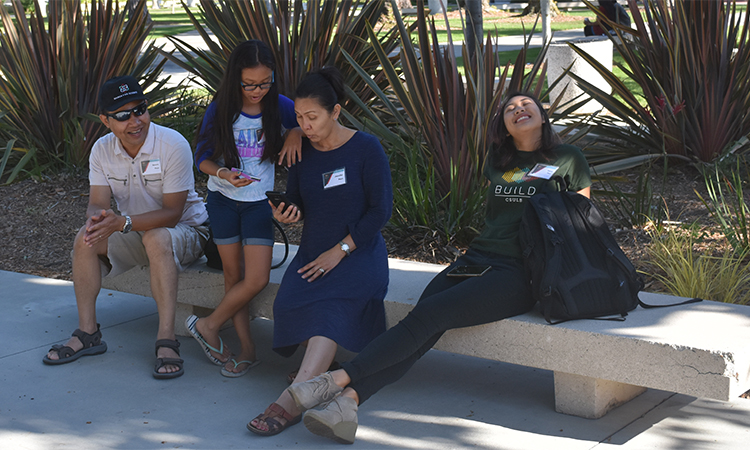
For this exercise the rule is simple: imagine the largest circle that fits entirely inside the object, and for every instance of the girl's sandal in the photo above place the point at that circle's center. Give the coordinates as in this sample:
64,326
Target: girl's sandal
190,324
274,426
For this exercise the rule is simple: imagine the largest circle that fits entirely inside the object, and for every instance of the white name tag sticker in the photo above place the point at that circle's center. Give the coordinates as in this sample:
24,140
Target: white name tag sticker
151,167
334,178
543,171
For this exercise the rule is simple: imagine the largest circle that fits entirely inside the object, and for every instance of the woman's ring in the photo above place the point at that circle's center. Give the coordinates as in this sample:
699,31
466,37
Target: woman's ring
322,270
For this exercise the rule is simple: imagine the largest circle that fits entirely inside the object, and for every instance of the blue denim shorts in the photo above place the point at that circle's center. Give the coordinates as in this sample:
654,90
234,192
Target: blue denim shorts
232,221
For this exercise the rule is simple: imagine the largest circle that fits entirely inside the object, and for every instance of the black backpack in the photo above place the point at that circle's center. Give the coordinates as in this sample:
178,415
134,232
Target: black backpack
573,263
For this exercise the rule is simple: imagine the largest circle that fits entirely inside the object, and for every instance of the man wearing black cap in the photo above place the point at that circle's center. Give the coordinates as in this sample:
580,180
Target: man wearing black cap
148,169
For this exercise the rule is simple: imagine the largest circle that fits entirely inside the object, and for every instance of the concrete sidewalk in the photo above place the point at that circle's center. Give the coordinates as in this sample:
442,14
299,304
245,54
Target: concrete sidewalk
447,401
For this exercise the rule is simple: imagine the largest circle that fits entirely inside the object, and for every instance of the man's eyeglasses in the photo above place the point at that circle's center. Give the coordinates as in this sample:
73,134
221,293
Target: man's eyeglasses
124,116
252,87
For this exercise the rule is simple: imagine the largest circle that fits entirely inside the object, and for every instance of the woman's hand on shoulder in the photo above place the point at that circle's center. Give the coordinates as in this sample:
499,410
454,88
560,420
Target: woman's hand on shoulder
292,149
292,214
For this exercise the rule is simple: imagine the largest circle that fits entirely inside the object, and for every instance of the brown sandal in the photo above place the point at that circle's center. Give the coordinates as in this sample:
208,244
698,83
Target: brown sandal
274,426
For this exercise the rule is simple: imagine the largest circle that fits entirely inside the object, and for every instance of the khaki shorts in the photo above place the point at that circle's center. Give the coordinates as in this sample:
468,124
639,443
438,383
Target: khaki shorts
125,251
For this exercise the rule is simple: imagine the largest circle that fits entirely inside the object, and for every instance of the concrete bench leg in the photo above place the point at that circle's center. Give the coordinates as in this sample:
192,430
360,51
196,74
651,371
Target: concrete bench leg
590,398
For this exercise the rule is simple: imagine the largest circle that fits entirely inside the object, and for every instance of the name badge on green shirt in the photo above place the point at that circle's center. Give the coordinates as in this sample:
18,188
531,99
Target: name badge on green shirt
543,171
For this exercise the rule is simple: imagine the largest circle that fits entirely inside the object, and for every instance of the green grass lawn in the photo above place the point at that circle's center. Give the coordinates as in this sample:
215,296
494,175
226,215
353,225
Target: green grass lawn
500,29
165,22
159,32
165,17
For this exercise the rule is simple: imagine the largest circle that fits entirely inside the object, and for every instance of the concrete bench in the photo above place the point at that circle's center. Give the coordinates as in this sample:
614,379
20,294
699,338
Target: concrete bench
700,349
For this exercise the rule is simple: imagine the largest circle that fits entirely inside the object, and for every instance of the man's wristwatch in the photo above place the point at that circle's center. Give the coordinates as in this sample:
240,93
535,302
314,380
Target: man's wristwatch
128,225
345,248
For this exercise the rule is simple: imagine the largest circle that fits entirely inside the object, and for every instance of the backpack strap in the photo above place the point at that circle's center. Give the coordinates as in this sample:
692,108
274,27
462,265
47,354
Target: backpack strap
562,185
686,302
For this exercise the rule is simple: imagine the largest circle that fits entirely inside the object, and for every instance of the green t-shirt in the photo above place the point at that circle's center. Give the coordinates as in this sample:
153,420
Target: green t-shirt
528,174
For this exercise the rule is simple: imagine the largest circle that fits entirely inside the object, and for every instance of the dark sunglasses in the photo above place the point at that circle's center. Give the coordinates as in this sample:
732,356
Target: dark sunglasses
124,116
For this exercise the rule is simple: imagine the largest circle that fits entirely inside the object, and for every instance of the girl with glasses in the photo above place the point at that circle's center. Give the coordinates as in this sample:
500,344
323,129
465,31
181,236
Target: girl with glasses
245,129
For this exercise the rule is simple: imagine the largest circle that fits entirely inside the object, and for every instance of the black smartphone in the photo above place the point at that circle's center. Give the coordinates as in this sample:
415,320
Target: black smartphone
277,198
468,271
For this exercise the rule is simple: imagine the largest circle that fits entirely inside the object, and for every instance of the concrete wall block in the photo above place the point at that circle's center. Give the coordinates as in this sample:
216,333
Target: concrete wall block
560,55
590,398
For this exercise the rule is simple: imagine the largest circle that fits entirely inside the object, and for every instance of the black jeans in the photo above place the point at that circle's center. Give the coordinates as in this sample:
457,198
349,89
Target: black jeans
446,303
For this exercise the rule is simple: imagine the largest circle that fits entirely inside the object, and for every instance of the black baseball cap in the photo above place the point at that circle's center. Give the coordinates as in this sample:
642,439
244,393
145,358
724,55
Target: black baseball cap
119,91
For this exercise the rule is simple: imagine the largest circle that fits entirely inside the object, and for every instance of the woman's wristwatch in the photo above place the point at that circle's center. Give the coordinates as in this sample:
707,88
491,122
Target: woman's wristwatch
345,247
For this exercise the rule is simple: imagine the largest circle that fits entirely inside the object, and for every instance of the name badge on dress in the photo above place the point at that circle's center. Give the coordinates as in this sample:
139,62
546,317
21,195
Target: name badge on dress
151,167
334,178
543,171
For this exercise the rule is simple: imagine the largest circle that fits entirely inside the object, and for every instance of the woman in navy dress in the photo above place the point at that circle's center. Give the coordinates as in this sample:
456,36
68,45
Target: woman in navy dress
332,293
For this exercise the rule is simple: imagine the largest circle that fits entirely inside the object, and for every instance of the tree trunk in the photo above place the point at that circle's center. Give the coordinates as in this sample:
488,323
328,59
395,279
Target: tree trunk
403,4
546,20
131,5
474,32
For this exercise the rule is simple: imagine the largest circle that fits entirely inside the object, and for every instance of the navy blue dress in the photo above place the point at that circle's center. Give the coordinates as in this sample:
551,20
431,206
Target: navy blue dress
343,191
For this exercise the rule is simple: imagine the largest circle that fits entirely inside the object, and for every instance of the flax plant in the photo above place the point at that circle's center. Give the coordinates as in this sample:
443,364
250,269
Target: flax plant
728,205
692,60
686,272
50,75
631,209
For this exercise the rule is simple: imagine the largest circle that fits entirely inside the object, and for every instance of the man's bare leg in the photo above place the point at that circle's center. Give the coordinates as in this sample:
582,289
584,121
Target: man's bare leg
87,282
164,273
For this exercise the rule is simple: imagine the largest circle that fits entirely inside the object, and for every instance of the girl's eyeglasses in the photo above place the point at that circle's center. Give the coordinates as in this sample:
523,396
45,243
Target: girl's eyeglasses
124,116
263,86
